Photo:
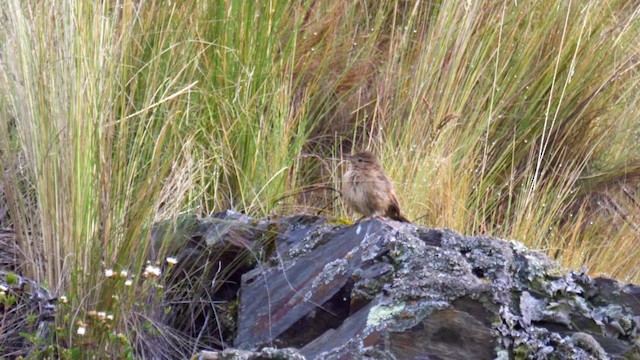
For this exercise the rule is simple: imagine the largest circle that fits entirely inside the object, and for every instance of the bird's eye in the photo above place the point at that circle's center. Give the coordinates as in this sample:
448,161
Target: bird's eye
359,160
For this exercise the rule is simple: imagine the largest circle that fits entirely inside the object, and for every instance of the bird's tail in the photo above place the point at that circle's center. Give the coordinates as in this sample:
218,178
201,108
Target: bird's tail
393,212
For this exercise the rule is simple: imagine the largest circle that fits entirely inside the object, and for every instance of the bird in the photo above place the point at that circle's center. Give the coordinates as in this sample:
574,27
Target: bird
367,190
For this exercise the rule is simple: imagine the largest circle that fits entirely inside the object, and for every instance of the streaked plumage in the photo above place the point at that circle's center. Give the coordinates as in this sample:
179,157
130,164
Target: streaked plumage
367,189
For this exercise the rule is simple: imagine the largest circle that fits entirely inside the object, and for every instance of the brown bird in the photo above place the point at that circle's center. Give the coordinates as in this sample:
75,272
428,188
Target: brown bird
367,189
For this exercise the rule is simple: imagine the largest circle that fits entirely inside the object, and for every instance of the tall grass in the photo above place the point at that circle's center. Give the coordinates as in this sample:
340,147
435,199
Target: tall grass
527,99
94,98
515,119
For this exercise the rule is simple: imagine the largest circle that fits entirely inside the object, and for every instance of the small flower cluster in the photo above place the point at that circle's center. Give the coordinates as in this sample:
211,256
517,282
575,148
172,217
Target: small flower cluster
100,317
150,271
82,327
122,274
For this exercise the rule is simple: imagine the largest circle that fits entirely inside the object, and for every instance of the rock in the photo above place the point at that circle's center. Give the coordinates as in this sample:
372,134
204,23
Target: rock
212,254
381,289
263,354
20,299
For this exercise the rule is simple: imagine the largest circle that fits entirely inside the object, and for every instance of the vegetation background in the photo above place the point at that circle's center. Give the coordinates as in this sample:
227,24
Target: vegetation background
517,119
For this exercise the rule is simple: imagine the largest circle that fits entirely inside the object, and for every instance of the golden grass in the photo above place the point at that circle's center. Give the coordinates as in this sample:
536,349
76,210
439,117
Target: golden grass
512,119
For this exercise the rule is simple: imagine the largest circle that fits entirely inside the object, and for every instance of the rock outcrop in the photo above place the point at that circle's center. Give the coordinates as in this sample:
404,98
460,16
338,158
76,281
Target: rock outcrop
27,313
381,289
